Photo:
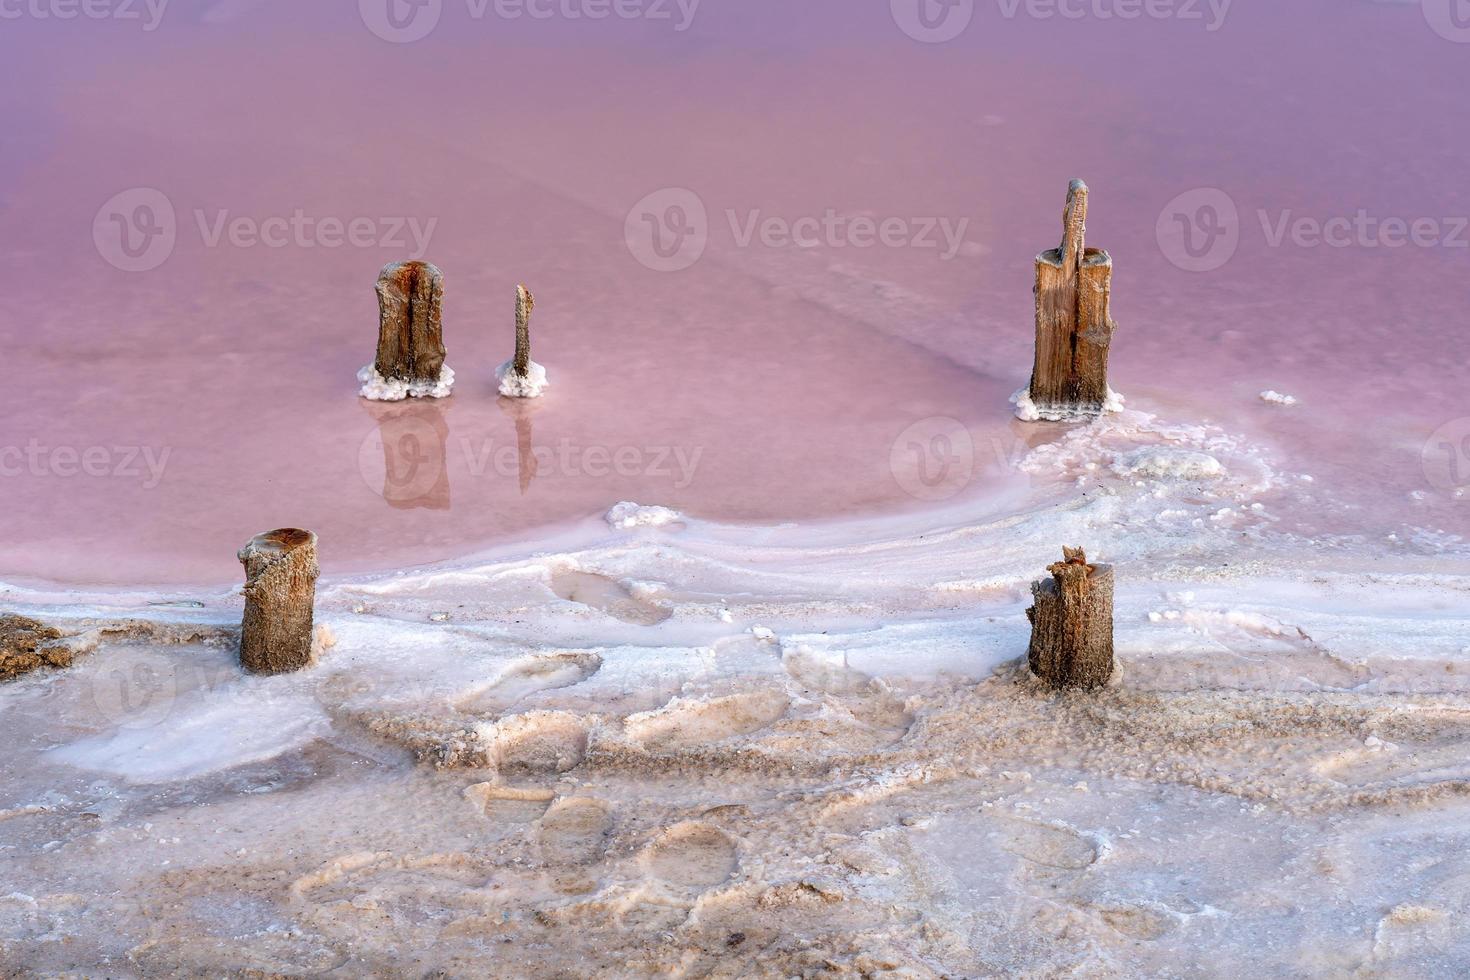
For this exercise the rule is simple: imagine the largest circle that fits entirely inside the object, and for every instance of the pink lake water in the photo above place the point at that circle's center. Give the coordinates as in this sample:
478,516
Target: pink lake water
155,418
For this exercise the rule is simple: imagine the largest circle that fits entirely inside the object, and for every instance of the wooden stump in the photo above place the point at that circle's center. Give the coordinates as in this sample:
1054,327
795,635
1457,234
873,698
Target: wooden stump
1072,624
1074,324
280,590
410,323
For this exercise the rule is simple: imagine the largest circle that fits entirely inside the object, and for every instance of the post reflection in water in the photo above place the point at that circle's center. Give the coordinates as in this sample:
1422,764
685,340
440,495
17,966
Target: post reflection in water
520,411
406,459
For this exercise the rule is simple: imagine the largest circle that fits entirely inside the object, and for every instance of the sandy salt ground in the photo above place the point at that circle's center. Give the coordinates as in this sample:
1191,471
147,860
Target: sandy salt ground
674,748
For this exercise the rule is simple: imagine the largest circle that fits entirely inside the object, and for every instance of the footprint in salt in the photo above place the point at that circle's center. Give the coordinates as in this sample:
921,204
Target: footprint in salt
602,593
864,697
691,856
574,831
687,721
530,675
1051,847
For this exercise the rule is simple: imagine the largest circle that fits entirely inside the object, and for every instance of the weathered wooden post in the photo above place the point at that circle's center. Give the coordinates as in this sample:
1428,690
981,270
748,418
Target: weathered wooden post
280,591
521,377
1074,324
1072,624
410,358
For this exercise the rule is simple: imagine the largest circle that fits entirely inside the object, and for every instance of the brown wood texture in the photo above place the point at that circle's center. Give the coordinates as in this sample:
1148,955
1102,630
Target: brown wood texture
410,322
1072,624
280,592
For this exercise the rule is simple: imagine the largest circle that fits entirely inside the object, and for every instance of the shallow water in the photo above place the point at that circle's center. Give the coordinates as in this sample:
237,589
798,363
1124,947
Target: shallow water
766,382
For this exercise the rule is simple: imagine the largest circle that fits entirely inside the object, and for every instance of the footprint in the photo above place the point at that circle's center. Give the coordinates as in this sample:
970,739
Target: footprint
861,695
530,675
692,855
1409,763
574,831
601,592
1052,847
684,721
537,742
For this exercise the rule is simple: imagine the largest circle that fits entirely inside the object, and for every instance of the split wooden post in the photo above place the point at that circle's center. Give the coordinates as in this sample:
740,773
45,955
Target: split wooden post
1072,624
525,303
280,591
410,323
1074,324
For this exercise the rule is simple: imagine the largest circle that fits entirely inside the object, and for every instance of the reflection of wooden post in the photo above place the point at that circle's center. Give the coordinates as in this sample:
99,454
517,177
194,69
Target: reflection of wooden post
280,590
1074,324
410,323
415,439
1072,624
519,410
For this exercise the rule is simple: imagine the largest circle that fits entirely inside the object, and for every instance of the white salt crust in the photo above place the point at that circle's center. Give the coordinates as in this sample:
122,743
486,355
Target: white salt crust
377,388
513,385
1028,411
628,515
1277,398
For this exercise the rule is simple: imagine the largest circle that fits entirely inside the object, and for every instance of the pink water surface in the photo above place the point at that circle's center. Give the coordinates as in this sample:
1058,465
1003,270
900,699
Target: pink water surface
784,373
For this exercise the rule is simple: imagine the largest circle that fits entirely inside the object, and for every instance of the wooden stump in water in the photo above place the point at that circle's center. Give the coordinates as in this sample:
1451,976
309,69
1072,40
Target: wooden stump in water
1074,324
1072,624
280,591
410,323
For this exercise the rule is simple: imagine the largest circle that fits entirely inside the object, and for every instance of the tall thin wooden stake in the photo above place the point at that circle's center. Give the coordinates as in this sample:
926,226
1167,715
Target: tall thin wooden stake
1072,624
525,303
280,591
1074,324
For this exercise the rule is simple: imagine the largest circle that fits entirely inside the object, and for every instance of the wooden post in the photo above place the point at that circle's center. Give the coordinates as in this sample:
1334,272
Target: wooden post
525,303
521,377
410,357
1074,324
280,590
1072,624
